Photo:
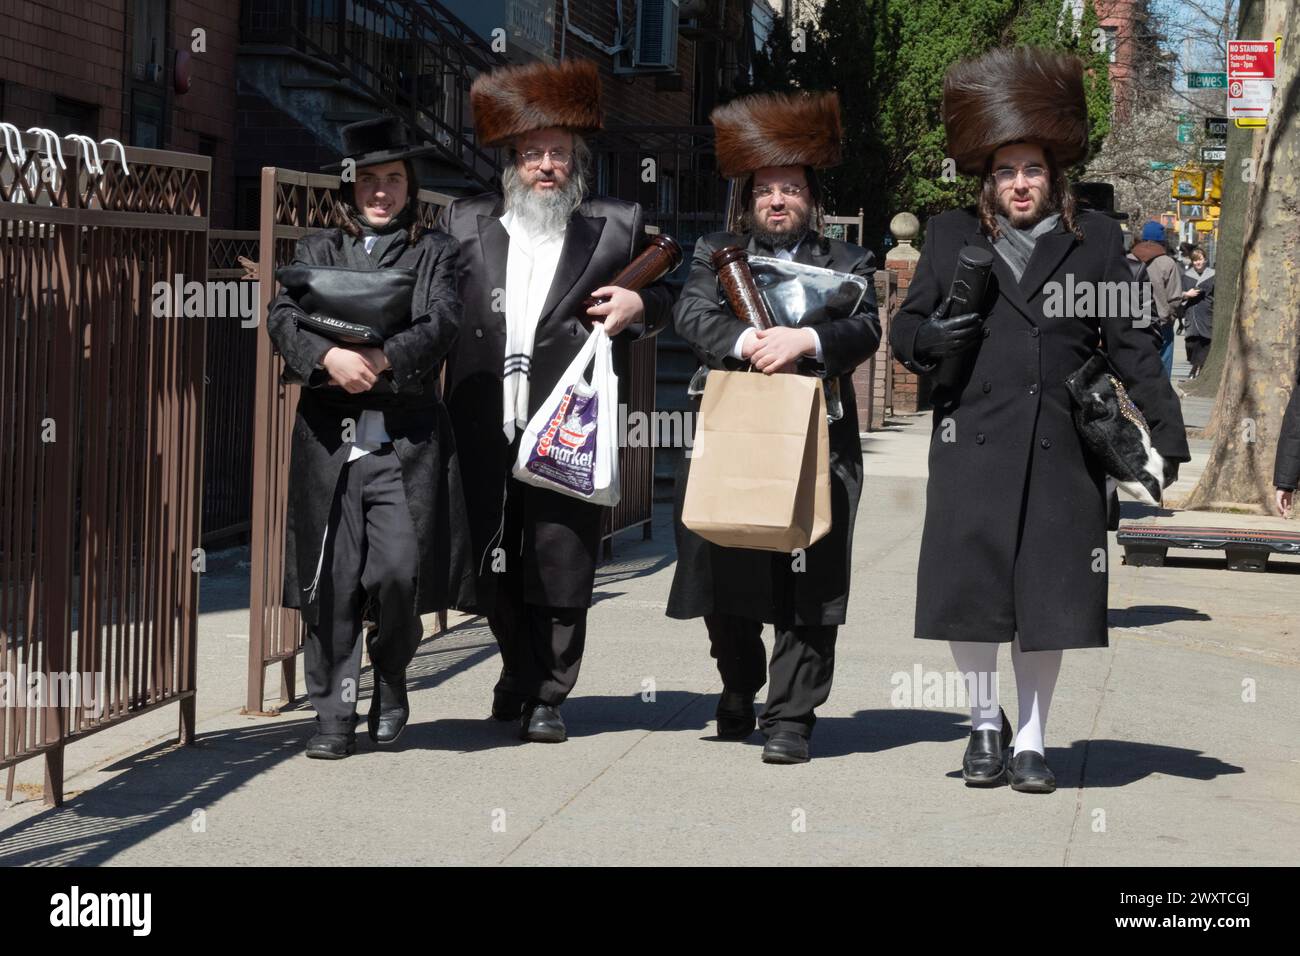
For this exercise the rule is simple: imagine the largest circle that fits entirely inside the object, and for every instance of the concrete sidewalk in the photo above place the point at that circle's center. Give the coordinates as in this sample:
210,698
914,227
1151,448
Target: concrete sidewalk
1160,758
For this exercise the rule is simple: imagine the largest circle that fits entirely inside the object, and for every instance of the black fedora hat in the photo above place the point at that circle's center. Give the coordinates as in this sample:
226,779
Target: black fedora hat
381,139
1097,196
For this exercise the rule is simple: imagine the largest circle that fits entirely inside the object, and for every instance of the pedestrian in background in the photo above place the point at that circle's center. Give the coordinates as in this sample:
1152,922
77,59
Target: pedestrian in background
1166,287
1286,465
1198,316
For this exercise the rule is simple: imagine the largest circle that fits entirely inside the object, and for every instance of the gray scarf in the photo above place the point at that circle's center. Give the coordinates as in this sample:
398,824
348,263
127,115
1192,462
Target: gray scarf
1017,245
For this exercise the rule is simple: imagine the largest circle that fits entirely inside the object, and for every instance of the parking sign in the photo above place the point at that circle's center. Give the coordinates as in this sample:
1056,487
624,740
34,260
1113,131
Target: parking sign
1250,78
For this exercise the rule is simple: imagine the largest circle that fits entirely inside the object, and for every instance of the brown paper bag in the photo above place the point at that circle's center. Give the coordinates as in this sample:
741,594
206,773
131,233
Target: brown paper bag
760,463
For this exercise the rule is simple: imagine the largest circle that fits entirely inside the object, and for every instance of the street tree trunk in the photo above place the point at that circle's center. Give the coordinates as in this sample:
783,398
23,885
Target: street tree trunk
1263,344
1242,144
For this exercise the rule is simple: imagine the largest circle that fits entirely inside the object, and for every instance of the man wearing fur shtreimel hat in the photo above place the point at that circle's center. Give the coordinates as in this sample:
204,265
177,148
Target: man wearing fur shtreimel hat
529,255
1014,547
772,145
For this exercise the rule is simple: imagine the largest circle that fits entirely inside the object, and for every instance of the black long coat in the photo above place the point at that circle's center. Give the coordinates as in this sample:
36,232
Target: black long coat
1015,520
745,582
561,534
1286,463
414,418
1199,314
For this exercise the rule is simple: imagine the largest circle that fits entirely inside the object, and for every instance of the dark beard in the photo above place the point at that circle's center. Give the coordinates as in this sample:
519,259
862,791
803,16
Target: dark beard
786,239
1029,219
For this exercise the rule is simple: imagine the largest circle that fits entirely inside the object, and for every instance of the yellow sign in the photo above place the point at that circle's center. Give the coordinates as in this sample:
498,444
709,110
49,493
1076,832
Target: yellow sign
1214,211
1188,184
1204,225
1216,183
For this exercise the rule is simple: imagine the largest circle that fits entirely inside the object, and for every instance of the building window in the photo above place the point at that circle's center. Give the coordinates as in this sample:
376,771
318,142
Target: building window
146,119
73,116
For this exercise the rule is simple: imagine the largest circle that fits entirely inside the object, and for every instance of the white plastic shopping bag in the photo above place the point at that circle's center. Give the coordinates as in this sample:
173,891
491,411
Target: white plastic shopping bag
571,444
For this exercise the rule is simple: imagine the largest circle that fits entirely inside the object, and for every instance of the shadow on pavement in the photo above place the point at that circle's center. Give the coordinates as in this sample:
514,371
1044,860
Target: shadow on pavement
162,786
156,789
1117,763
874,731
1144,615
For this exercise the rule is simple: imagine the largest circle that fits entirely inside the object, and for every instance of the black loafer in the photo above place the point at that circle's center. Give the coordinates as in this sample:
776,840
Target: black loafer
542,723
389,710
1029,773
785,746
735,715
331,746
984,764
506,706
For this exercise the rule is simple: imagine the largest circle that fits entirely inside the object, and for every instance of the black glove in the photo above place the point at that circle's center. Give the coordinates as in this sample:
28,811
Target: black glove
1171,472
942,335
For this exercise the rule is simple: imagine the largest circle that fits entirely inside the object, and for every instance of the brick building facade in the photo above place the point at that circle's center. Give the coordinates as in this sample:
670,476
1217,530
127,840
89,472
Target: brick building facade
107,68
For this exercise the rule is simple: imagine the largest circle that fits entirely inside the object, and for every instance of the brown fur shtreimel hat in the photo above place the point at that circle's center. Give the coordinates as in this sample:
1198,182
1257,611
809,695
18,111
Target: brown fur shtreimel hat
1015,94
777,129
519,99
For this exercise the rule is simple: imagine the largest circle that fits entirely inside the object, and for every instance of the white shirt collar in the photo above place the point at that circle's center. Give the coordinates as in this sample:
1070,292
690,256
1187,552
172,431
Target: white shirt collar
515,226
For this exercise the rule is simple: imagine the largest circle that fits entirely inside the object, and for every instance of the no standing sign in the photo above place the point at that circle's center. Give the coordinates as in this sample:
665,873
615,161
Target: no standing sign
1250,78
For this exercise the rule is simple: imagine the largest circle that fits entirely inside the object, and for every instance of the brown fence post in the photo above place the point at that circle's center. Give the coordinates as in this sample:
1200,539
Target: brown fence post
266,385
55,542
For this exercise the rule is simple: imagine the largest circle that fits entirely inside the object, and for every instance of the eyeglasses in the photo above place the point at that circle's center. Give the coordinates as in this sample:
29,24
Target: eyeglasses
1005,175
533,157
788,191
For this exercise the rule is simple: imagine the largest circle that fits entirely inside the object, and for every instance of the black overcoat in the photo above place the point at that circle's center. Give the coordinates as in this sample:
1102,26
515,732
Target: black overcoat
1015,520
1286,462
1199,314
745,582
560,534
414,418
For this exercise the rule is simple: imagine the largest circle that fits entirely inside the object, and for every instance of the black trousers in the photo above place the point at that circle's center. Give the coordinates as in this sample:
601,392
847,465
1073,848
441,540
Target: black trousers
541,647
803,663
1198,350
368,572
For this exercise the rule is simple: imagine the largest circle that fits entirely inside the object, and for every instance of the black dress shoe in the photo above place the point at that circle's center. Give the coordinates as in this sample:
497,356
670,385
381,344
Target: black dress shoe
984,764
1029,773
506,706
785,746
331,746
389,710
542,723
735,715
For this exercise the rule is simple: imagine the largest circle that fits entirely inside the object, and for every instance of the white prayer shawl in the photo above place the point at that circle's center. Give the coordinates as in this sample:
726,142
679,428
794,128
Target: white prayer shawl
530,270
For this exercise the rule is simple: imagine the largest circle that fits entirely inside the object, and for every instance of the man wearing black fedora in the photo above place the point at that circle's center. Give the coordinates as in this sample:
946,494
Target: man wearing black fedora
375,513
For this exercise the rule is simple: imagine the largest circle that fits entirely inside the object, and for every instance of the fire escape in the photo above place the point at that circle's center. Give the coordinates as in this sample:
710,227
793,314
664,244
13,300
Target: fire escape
326,63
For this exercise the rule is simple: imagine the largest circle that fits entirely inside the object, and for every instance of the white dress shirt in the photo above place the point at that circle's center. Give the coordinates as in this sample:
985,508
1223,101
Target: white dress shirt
530,270
370,431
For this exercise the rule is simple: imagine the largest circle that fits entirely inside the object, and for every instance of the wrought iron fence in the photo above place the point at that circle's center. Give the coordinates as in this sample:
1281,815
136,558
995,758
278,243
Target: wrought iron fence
101,422
228,437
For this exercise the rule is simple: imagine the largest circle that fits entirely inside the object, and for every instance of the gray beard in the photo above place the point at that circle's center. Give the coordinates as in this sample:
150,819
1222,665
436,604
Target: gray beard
543,212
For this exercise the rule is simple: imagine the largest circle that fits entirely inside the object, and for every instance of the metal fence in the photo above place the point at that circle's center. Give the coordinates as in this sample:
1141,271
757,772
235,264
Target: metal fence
101,423
228,438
